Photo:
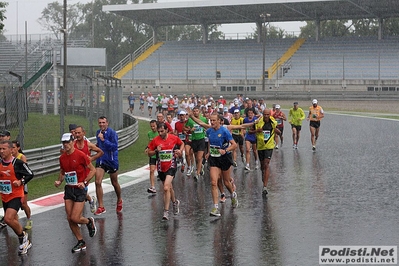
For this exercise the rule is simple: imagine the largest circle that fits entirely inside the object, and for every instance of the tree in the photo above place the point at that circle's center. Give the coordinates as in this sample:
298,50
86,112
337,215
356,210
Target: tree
189,32
328,28
53,18
2,16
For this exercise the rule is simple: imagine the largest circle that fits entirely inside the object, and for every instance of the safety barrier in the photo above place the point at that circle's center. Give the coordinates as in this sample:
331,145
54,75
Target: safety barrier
45,160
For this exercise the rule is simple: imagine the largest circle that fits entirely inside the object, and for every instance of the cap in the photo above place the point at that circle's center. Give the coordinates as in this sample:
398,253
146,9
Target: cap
211,98
295,103
220,105
278,106
182,113
221,96
142,93
170,96
72,127
235,102
131,92
5,132
225,109
236,111
67,137
314,101
261,99
159,94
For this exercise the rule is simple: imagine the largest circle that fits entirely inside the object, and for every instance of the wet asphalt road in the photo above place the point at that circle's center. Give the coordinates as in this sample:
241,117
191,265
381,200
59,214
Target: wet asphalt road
345,193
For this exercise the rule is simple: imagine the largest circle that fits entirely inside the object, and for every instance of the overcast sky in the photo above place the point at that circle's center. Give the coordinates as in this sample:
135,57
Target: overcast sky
19,11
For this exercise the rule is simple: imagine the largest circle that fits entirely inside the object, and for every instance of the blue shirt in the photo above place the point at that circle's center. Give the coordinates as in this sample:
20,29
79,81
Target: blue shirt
250,136
220,138
110,148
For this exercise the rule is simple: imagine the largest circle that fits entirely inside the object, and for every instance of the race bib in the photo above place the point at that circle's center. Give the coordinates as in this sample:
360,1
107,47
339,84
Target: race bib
182,136
236,131
190,137
165,156
5,187
266,134
71,178
198,129
150,104
214,151
279,121
131,102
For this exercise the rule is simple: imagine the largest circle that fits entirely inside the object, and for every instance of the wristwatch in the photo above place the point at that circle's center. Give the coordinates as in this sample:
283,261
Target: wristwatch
86,183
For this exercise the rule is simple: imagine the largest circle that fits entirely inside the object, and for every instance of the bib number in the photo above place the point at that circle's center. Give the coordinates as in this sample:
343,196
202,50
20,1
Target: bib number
190,137
279,121
71,178
266,135
5,187
214,151
197,129
182,136
166,156
236,131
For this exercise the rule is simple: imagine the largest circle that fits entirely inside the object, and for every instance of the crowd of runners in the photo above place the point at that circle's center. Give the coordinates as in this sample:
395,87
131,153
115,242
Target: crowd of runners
195,132
187,135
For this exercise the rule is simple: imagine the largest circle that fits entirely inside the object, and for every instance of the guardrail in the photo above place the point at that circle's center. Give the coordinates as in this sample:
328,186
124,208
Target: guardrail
45,160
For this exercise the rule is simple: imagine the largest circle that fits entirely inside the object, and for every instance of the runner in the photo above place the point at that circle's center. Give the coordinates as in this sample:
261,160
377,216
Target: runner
77,170
14,175
316,113
152,159
238,136
158,101
265,131
250,140
17,153
142,100
82,144
295,117
182,134
197,140
107,141
164,146
150,103
131,99
280,117
221,144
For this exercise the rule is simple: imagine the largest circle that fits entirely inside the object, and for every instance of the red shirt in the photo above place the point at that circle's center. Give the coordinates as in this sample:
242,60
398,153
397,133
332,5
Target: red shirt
165,157
76,161
179,126
85,148
279,118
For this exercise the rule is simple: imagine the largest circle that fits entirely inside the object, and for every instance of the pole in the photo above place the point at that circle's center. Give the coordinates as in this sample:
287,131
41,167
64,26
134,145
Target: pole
64,82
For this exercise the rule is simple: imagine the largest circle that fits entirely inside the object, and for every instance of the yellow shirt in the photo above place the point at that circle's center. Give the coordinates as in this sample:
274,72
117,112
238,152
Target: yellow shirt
235,122
265,139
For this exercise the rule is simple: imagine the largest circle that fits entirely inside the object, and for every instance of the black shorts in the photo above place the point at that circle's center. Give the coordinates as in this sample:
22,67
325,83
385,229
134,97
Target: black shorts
107,169
171,172
131,106
153,161
265,154
298,128
198,145
141,104
15,204
165,109
75,194
149,107
223,162
281,130
238,139
159,108
315,124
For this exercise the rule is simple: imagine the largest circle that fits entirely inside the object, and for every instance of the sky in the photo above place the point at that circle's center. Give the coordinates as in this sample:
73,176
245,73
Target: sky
19,11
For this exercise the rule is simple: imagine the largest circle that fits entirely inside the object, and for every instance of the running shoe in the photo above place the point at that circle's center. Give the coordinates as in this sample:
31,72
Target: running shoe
26,244
81,245
202,172
152,190
93,204
215,212
91,226
182,167
313,148
294,146
256,165
276,147
2,223
176,205
100,210
264,192
234,200
28,224
189,170
165,215
222,198
235,164
243,159
119,206
247,167
196,177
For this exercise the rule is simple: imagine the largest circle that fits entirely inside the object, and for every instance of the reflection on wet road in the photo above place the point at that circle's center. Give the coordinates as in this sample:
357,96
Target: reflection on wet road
345,193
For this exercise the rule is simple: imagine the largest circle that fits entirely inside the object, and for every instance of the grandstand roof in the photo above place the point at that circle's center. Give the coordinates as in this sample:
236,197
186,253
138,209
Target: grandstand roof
239,11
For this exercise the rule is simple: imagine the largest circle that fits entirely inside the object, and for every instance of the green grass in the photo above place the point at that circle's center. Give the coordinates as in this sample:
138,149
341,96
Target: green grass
130,158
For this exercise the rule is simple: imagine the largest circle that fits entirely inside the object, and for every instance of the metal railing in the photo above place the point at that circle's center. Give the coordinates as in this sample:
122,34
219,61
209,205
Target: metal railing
45,160
131,57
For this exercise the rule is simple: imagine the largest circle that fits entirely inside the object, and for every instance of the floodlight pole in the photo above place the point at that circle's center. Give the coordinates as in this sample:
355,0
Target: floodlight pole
264,17
64,82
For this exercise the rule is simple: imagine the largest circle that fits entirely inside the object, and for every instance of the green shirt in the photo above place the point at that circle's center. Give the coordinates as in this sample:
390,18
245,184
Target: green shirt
295,117
197,132
151,135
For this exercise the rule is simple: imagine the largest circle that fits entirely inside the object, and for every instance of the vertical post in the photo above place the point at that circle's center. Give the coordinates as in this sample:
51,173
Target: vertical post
264,17
63,89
